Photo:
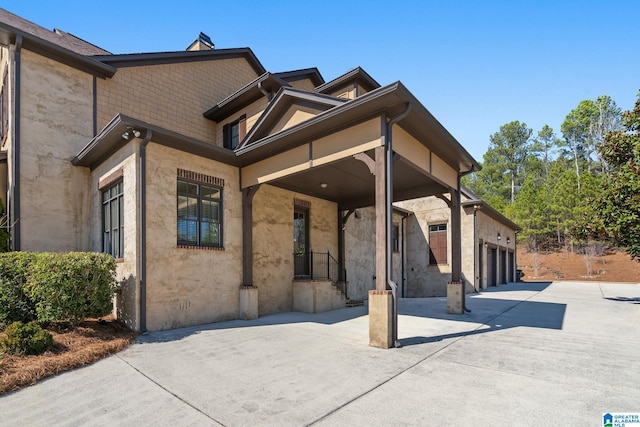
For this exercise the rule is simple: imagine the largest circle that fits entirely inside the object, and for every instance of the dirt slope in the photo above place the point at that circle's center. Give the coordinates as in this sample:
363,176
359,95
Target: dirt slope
617,267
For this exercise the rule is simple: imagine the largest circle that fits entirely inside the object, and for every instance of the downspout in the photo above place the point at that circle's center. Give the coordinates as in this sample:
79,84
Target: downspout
16,146
264,92
402,254
475,248
515,256
143,231
389,218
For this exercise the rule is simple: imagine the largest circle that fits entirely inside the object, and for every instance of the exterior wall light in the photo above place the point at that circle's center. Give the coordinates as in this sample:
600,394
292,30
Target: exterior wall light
508,240
131,132
499,237
323,185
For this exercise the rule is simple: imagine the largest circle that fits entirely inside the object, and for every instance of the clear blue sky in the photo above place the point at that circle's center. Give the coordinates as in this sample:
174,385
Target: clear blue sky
475,65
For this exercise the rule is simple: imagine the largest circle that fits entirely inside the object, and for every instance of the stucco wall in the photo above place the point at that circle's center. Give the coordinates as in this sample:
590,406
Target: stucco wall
173,95
303,84
252,112
56,122
126,159
189,286
5,140
347,91
273,243
360,253
488,230
423,279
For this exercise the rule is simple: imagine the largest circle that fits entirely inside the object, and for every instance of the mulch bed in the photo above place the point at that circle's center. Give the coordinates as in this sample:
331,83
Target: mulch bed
74,346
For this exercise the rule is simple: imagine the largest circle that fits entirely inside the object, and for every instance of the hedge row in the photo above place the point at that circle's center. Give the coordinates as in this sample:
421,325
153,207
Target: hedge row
50,287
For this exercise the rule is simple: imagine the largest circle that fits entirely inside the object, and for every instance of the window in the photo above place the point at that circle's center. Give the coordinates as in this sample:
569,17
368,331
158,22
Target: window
233,133
395,236
438,244
199,214
4,104
112,220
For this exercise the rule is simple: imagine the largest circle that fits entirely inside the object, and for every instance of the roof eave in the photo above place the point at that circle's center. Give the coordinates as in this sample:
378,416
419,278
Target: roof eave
110,140
153,58
491,212
242,97
312,73
58,53
357,74
287,93
379,100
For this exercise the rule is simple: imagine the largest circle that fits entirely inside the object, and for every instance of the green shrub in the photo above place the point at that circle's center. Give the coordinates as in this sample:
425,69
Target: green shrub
15,304
26,338
4,233
71,286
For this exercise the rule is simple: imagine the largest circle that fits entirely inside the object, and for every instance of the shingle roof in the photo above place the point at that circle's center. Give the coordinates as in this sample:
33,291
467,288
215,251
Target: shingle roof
58,37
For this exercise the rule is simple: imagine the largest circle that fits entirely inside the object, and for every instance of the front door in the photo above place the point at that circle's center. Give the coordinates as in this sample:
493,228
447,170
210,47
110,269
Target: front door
301,241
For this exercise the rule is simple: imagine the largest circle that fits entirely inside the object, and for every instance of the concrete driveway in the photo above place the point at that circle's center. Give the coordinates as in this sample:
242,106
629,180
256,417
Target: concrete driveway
527,354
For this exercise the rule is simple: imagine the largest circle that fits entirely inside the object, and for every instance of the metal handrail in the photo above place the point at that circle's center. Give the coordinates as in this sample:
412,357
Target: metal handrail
320,266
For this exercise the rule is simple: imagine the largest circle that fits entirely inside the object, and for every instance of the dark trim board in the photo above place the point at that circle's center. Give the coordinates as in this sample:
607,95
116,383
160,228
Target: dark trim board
159,58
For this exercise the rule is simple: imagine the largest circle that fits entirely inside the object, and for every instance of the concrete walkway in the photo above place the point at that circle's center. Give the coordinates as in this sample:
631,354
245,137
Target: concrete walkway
527,354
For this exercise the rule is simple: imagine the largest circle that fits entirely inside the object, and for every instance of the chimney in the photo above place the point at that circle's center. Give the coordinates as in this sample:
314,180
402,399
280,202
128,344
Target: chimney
203,42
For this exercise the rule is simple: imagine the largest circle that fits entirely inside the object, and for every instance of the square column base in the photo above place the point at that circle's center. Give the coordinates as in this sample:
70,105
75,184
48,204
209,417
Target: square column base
381,319
248,303
454,297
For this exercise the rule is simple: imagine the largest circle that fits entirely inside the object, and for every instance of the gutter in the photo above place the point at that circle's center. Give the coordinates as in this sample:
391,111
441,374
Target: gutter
476,208
403,255
16,147
143,230
389,218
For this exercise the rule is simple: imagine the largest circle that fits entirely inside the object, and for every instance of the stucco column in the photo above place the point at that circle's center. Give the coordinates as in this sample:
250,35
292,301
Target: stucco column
381,231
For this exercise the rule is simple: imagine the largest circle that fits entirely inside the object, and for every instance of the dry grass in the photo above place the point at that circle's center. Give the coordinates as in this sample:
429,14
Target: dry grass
564,265
74,346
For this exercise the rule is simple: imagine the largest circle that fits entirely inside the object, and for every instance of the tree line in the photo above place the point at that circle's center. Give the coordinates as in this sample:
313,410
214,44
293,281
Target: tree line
577,188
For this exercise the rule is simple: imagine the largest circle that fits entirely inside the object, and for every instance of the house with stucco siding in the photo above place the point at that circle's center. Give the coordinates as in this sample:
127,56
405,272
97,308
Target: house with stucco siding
226,191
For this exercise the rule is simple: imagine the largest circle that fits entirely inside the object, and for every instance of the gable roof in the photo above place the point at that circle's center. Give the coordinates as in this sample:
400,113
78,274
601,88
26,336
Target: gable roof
306,73
58,45
244,96
475,200
391,100
356,75
284,99
57,37
156,58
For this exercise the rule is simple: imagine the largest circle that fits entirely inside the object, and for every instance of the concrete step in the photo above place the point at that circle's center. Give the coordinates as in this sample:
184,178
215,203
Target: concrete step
354,303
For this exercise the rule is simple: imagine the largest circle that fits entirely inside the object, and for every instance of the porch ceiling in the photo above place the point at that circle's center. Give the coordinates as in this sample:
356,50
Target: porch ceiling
351,184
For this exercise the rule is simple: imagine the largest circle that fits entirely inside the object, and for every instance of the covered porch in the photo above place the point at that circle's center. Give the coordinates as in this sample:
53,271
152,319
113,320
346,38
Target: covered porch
380,148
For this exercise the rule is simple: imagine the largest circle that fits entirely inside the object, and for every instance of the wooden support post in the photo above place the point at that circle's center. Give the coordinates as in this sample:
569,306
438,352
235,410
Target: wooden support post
456,237
381,229
247,235
455,288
